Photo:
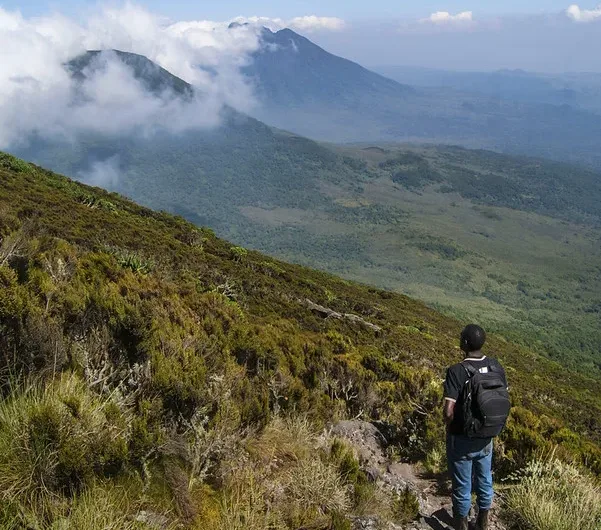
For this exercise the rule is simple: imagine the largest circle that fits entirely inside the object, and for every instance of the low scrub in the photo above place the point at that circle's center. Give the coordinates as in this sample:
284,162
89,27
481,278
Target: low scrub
552,495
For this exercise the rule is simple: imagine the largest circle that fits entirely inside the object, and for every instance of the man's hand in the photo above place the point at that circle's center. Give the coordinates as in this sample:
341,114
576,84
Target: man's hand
448,411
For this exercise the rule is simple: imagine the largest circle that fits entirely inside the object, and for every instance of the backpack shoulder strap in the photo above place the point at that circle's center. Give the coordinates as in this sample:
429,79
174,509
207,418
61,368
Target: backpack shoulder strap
469,368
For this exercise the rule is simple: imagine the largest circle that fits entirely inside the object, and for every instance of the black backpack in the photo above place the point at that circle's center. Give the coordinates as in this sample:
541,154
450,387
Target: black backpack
485,400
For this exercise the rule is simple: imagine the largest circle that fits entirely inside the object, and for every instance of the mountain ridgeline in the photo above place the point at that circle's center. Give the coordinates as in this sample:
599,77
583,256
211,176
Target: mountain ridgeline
153,78
579,90
154,374
309,91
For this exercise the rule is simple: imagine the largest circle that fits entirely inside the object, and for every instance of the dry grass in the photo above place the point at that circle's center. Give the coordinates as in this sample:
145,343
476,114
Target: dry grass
552,495
286,440
317,486
98,507
285,481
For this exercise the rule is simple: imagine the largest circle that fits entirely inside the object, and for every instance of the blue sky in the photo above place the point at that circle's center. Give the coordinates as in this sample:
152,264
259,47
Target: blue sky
349,9
476,35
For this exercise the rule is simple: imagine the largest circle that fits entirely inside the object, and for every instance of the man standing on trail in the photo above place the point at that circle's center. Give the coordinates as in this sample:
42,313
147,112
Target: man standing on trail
476,407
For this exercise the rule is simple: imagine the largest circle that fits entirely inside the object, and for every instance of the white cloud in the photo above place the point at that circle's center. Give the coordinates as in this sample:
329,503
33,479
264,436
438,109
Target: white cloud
313,23
444,17
38,95
583,15
306,24
102,173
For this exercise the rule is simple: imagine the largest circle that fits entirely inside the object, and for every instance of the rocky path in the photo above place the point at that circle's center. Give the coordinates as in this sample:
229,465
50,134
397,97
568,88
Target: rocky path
433,493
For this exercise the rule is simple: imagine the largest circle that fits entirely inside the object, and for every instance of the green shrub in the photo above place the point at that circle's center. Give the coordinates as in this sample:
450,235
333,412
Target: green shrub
405,506
238,253
14,164
340,522
56,440
93,201
132,261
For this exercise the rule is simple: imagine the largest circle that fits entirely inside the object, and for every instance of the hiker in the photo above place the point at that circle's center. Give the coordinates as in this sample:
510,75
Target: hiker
476,406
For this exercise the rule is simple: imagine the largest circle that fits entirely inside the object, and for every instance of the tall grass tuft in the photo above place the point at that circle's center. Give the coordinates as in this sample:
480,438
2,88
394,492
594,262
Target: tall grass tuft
54,441
552,495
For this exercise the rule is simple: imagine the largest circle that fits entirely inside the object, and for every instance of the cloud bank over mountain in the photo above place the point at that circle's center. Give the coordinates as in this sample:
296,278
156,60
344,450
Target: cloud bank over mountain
38,95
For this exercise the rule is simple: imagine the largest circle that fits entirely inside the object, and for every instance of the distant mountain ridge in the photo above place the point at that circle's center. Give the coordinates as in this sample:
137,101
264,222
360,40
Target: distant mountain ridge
579,90
309,91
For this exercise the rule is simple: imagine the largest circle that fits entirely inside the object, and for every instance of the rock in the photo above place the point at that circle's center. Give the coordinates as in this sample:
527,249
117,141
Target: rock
153,520
367,441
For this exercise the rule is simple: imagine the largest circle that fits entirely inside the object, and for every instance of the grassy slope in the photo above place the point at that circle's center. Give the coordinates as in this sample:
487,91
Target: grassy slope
155,314
510,241
90,260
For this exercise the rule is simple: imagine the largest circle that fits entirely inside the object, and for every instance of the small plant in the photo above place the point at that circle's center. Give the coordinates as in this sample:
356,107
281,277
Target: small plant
238,253
316,485
340,522
436,460
93,201
405,506
132,261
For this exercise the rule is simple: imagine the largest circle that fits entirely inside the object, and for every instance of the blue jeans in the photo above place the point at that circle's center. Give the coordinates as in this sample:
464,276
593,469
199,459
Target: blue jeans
469,457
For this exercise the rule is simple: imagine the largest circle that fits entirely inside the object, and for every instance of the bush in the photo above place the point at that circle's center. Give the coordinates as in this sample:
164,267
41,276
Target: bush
405,506
317,486
101,507
15,164
133,261
287,480
56,441
552,495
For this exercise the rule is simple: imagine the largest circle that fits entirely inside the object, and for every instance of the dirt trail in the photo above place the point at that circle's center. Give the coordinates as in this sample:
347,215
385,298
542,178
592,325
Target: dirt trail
433,493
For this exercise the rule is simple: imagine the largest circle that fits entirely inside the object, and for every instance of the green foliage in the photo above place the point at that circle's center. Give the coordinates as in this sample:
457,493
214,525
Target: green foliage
340,522
405,506
160,377
132,261
238,253
57,440
14,164
93,201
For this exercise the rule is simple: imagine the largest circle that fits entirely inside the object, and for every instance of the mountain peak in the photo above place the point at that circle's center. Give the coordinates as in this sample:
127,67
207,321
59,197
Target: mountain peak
153,77
290,68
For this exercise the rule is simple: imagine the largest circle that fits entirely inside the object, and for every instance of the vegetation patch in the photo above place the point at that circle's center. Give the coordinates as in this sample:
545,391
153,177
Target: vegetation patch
553,495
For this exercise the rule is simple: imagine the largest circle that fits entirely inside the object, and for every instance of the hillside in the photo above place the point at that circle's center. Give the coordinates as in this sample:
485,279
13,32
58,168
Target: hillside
511,241
508,240
305,89
153,374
